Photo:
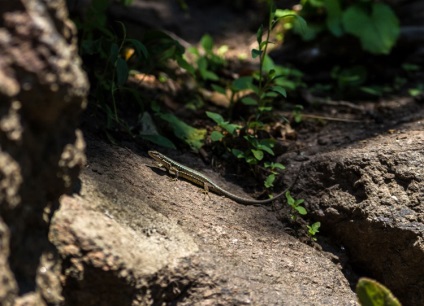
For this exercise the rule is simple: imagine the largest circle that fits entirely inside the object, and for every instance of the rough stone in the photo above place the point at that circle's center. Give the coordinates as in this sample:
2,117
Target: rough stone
42,91
370,198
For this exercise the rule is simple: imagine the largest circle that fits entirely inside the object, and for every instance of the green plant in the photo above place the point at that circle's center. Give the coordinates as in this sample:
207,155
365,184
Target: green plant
207,60
297,113
349,78
399,83
313,229
416,91
374,24
191,136
268,76
372,293
249,142
296,208
102,47
226,126
272,167
257,147
110,58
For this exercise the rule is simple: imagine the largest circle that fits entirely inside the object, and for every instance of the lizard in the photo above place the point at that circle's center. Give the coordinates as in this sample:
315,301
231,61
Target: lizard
202,180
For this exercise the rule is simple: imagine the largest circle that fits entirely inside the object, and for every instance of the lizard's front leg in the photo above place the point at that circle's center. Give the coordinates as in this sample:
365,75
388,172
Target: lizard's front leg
174,171
206,190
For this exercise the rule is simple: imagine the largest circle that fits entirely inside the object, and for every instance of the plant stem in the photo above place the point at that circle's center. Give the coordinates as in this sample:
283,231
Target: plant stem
263,53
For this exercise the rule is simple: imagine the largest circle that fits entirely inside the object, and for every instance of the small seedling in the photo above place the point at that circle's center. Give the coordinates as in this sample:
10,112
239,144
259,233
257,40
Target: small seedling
273,167
296,208
313,229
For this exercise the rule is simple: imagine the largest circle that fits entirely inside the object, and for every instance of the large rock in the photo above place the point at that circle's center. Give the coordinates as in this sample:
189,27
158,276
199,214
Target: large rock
133,237
370,197
42,92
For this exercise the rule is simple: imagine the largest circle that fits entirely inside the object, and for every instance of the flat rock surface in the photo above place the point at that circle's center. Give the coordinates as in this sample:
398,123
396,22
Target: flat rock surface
140,227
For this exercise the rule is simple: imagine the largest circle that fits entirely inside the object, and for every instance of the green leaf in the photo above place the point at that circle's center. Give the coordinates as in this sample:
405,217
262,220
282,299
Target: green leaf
259,34
269,182
279,90
269,94
215,117
377,31
372,293
301,210
273,9
310,32
218,88
256,53
278,166
299,201
149,132
317,3
209,75
190,135
265,148
186,65
122,71
334,17
265,108
410,67
216,136
414,92
242,83
263,44
114,52
237,153
314,228
249,101
251,139
229,127
289,198
259,155
207,42
284,13
202,64
300,24
193,50
251,160
268,64
255,125
139,48
372,90
159,140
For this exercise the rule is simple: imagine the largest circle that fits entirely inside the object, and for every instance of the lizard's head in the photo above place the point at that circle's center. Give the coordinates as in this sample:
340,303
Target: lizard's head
154,154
